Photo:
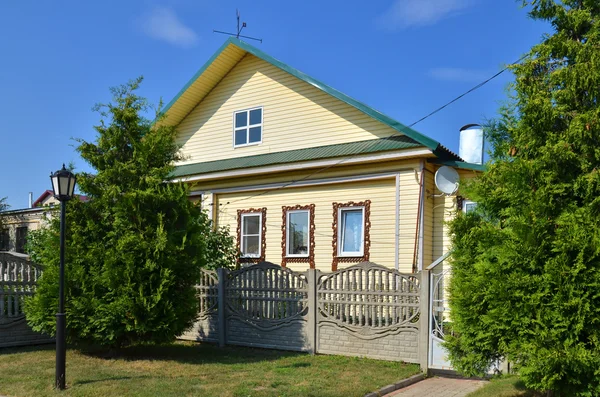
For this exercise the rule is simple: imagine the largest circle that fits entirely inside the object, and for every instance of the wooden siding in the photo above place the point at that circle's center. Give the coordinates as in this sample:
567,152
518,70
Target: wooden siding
444,211
382,194
295,115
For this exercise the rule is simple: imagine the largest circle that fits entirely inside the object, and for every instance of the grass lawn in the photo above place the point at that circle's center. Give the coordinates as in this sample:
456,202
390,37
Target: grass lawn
190,369
509,386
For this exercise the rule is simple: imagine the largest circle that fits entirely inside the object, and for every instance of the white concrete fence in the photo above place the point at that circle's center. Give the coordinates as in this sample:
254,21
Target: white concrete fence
18,279
364,310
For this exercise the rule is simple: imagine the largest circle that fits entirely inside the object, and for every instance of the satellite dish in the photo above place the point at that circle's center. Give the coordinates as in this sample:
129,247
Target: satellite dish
446,180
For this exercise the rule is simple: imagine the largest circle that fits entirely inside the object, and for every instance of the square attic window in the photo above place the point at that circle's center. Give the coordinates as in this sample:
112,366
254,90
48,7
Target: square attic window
247,127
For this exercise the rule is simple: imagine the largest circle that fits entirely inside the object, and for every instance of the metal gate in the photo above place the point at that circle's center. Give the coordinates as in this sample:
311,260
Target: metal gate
439,273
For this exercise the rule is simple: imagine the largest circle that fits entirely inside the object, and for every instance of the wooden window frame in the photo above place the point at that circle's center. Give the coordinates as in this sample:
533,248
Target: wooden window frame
337,258
262,240
310,258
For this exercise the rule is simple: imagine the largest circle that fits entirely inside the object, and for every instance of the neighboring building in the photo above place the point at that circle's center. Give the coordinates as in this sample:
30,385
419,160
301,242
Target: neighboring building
16,224
304,175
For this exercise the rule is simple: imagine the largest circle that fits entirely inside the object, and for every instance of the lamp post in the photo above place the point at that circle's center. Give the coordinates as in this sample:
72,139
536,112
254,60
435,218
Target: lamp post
63,184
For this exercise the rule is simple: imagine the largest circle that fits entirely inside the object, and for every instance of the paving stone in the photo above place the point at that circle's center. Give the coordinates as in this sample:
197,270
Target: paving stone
439,387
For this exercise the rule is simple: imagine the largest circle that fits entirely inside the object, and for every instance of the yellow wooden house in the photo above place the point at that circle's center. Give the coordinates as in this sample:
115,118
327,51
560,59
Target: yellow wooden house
304,175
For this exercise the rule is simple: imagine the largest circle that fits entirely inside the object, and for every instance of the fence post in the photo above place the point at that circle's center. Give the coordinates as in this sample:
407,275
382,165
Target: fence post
424,319
312,310
221,273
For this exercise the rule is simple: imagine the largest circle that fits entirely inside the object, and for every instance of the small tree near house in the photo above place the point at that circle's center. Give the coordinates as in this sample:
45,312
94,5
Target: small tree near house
134,250
526,269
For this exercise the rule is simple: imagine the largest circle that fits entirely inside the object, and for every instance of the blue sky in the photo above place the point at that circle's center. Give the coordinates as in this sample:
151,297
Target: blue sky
402,57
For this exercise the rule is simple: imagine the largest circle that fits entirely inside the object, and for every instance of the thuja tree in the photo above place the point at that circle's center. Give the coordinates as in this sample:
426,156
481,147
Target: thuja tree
135,249
526,268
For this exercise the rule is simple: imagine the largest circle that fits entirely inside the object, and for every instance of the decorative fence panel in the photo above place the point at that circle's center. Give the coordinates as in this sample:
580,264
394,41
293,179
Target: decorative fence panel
369,310
267,306
206,325
18,279
364,310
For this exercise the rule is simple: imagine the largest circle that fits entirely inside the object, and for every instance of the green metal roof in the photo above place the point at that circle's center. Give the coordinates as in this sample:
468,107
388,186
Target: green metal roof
438,149
461,164
292,156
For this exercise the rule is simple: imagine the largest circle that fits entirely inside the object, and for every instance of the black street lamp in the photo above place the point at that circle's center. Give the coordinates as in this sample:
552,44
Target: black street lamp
63,184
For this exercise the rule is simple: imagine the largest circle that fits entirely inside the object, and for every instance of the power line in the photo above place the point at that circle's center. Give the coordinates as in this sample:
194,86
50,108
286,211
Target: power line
399,133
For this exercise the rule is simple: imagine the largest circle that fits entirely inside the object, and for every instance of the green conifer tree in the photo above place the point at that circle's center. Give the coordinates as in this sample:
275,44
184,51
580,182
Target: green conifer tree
134,250
526,267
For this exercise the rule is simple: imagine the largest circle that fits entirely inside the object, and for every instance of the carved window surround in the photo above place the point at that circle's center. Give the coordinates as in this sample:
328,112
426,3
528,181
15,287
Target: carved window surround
367,239
263,239
310,259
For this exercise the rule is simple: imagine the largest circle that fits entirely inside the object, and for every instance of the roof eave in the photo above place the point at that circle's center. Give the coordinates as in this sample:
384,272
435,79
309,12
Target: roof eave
460,164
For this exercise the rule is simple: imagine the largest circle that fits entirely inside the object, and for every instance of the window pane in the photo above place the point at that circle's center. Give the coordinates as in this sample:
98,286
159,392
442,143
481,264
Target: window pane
240,137
250,245
352,225
4,237
255,133
255,116
241,119
21,239
251,224
469,207
298,233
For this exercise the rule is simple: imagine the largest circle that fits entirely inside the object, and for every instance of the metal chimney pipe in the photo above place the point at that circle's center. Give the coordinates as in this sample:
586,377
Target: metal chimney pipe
471,143
30,199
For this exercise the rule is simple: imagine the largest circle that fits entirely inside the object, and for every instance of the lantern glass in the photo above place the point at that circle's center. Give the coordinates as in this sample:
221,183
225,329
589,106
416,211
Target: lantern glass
72,181
55,185
63,185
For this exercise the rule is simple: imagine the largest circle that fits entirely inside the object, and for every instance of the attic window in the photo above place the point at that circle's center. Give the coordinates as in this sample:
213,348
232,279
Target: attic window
247,127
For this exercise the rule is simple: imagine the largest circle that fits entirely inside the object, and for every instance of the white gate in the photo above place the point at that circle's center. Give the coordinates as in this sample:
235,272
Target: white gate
439,273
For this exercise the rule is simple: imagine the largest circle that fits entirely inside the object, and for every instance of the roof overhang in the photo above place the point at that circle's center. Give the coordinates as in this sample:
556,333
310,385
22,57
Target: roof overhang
306,165
463,165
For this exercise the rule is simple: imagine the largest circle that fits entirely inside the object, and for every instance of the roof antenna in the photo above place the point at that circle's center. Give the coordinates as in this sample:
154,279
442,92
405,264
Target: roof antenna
239,30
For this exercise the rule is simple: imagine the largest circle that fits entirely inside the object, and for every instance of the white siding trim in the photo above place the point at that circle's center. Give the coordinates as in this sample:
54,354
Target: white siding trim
397,226
314,182
422,217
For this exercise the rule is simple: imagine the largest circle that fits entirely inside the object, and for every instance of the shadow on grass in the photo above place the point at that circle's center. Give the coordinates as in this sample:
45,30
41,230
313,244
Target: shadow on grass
520,385
109,379
183,352
192,353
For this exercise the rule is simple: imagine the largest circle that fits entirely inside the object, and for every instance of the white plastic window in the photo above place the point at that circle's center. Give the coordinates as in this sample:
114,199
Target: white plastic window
297,234
247,127
251,235
351,233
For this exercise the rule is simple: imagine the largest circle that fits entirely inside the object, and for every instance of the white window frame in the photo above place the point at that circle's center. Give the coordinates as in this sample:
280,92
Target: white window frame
287,234
247,127
464,205
242,247
341,230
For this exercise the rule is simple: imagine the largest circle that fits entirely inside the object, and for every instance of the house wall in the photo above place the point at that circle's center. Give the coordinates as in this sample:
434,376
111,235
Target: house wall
381,192
295,115
444,210
33,220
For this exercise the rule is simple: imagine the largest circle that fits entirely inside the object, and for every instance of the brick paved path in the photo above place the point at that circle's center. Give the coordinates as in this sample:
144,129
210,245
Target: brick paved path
439,387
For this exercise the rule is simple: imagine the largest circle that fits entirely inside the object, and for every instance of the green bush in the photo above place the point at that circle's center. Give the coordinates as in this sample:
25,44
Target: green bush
134,250
526,268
